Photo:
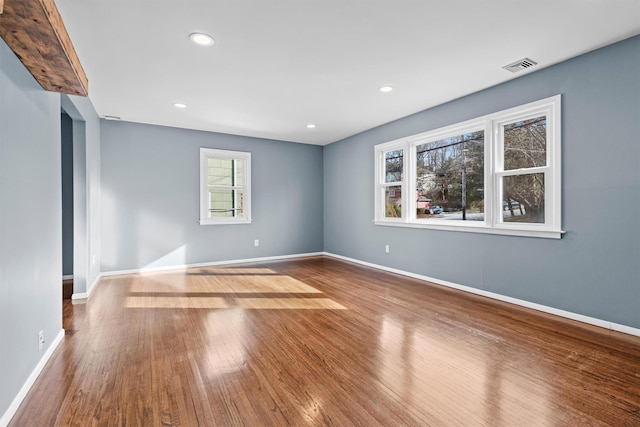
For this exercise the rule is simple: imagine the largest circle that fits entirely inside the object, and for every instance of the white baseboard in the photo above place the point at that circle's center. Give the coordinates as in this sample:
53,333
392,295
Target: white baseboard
94,284
68,277
208,264
539,307
11,411
85,295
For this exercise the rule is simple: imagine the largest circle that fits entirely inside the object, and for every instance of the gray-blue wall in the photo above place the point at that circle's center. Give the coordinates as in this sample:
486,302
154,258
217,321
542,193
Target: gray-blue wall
594,269
30,223
67,194
150,198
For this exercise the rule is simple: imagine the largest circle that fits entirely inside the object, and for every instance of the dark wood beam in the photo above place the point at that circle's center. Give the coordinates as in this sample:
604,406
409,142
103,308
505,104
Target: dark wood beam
34,30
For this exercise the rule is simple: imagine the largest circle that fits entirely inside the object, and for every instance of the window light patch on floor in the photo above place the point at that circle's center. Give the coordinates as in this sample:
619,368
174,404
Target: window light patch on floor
222,288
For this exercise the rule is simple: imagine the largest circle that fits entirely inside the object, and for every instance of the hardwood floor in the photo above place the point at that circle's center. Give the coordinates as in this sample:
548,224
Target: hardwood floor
67,289
319,341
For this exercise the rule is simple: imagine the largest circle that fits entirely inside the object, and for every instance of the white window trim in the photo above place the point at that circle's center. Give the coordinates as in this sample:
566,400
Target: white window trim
492,125
381,185
245,157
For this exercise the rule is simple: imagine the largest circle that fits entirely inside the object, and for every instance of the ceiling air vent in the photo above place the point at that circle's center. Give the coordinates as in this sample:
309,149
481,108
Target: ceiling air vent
520,65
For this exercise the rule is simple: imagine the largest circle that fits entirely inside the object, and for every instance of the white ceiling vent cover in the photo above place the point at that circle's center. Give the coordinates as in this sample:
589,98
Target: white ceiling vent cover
520,65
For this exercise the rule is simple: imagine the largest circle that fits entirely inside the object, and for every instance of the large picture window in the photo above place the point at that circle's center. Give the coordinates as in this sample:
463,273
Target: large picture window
496,174
225,187
450,177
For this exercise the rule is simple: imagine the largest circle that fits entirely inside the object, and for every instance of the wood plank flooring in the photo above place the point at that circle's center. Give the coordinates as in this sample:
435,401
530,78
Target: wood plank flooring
322,342
67,289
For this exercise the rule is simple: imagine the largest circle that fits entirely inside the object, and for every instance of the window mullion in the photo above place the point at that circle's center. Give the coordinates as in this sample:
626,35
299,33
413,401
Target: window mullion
490,165
410,182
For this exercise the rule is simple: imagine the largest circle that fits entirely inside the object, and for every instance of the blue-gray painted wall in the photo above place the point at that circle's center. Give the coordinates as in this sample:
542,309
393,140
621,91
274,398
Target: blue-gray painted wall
67,194
594,269
30,223
150,198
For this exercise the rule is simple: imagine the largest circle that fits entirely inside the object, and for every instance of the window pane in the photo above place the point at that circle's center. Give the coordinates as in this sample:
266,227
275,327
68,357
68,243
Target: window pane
225,203
393,202
224,171
525,144
450,178
238,166
393,166
523,198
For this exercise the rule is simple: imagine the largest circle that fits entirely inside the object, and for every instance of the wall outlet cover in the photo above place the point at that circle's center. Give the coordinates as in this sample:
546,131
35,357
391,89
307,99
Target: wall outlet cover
40,340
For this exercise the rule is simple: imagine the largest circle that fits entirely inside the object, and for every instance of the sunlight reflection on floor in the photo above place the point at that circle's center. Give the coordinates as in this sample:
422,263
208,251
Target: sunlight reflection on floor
175,302
290,303
221,282
171,290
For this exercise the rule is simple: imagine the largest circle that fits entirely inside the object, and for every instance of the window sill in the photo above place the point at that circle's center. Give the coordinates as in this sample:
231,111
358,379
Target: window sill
545,234
225,222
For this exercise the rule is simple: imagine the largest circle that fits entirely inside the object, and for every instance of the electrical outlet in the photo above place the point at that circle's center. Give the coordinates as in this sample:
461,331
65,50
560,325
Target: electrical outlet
40,340
386,248
256,242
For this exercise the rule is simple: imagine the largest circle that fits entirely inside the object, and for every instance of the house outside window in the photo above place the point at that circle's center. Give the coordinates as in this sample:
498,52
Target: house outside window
496,174
225,187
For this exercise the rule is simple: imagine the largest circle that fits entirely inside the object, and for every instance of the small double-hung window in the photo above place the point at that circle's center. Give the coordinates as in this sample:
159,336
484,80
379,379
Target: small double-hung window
225,187
528,169
391,187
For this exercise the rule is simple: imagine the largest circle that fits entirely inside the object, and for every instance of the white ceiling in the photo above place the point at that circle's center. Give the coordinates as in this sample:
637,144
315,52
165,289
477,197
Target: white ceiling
277,65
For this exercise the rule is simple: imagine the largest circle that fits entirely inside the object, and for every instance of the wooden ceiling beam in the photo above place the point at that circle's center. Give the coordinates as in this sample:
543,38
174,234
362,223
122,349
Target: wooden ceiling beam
34,30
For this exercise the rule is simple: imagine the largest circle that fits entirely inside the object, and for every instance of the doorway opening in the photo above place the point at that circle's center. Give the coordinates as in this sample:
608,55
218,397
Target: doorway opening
66,129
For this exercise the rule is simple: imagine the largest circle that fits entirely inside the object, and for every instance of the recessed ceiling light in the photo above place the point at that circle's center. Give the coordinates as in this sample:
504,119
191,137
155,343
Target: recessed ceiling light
311,126
386,89
111,117
179,105
201,39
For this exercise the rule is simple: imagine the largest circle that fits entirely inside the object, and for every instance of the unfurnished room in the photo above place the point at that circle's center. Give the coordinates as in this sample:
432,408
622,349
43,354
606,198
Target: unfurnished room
319,213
